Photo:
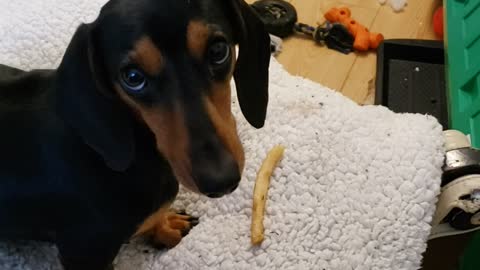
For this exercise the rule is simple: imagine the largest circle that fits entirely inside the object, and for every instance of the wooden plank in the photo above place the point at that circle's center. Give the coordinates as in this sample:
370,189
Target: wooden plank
353,74
301,56
413,22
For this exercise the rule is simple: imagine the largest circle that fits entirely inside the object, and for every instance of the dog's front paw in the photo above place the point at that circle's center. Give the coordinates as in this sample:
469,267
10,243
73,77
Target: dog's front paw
170,230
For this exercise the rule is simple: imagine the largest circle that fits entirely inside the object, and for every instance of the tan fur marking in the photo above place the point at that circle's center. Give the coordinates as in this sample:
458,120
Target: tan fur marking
150,223
147,56
218,106
165,226
221,116
197,38
171,136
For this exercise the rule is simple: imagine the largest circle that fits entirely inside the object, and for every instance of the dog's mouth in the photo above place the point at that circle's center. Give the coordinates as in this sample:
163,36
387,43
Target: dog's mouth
191,184
183,175
211,183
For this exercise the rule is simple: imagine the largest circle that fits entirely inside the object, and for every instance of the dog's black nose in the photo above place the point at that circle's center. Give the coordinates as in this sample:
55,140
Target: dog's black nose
218,195
216,181
214,195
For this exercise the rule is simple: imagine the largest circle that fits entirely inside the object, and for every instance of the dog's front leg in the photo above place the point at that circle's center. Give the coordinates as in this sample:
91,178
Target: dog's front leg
89,249
166,228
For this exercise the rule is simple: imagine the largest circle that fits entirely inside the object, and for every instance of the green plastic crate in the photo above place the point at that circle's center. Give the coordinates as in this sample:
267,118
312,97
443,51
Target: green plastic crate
462,47
470,259
462,43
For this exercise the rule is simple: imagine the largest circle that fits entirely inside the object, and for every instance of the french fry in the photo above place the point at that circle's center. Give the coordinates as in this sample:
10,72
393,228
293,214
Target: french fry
260,193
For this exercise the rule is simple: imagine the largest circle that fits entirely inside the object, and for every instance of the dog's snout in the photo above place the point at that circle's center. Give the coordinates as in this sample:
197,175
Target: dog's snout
214,195
220,194
216,183
216,179
233,188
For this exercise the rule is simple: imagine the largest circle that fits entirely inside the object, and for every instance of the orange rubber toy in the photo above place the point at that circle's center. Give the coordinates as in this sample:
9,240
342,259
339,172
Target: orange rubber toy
364,40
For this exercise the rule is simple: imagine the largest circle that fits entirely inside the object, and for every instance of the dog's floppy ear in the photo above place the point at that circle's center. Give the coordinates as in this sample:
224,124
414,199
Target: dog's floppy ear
82,86
251,70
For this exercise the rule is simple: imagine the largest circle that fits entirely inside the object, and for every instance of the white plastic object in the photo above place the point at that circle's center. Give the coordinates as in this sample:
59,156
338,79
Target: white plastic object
455,139
451,193
450,198
445,230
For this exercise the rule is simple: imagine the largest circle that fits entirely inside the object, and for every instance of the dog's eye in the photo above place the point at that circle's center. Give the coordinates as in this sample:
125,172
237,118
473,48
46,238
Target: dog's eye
133,79
219,53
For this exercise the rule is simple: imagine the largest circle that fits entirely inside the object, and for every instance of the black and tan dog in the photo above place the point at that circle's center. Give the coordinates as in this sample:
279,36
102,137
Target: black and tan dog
91,153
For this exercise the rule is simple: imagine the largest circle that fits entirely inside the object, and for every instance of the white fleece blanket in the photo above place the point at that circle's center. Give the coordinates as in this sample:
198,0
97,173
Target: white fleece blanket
356,188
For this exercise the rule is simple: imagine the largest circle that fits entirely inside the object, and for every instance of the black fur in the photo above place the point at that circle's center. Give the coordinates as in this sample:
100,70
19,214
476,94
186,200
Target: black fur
76,166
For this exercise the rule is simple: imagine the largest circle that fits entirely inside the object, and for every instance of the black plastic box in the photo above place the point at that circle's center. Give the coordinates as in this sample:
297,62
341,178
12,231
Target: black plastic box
411,77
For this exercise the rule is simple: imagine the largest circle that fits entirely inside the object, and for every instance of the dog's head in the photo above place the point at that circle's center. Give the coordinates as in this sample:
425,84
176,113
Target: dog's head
168,64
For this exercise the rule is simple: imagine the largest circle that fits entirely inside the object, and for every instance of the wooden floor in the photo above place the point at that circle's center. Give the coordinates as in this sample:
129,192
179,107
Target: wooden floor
353,74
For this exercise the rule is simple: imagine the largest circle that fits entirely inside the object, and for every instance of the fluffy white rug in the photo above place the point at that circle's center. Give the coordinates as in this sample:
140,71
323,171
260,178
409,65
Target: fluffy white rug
356,189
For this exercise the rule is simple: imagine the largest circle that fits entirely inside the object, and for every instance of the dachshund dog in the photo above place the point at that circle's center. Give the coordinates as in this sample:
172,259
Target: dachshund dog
93,152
